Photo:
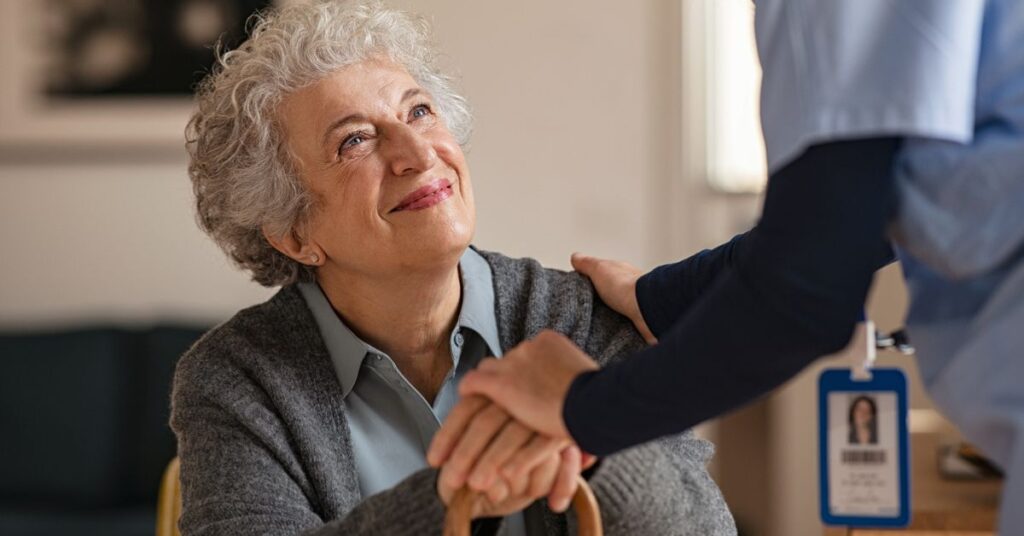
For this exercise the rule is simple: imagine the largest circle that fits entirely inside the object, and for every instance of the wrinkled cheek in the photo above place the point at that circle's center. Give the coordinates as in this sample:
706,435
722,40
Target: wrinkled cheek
355,234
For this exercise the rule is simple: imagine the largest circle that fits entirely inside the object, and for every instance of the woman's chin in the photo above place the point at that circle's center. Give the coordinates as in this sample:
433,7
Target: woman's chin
440,227
443,247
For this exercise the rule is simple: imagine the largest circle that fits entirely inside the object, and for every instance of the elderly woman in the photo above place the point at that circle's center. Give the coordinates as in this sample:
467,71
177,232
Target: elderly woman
326,159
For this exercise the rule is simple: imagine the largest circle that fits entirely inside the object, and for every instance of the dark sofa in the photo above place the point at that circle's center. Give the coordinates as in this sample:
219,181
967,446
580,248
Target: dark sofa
83,428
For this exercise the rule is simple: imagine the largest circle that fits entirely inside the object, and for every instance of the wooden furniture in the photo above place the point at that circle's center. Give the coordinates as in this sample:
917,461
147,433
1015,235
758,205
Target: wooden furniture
940,507
588,515
168,507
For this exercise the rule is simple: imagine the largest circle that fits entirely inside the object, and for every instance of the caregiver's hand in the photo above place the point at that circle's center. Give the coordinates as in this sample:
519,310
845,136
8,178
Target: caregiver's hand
552,472
615,282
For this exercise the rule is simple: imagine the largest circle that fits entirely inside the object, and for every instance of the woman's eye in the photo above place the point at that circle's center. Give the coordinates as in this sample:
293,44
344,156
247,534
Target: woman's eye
352,141
419,111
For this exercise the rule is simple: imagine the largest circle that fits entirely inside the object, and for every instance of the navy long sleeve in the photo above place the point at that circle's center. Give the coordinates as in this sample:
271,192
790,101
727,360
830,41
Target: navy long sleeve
739,320
669,291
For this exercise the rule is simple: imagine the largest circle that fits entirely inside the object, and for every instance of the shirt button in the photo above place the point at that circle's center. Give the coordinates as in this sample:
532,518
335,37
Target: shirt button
459,339
377,357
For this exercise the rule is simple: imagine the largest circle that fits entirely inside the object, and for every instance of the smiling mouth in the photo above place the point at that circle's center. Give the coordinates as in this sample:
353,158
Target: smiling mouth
426,196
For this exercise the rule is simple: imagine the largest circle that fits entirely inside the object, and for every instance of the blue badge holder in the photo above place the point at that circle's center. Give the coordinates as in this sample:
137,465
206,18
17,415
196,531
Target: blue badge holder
887,380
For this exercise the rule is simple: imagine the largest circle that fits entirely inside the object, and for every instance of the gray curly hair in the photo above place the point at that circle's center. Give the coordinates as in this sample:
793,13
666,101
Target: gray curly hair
244,177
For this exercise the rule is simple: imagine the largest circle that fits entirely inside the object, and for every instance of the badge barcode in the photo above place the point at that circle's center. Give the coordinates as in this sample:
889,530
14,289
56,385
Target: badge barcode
863,456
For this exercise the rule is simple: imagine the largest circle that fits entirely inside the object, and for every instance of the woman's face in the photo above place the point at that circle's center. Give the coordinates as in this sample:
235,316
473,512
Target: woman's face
862,414
390,184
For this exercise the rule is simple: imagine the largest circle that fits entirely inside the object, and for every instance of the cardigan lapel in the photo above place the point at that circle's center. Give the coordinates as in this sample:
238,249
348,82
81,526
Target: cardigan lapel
306,358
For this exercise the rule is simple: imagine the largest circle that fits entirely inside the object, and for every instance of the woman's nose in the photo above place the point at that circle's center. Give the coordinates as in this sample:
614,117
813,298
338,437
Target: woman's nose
410,151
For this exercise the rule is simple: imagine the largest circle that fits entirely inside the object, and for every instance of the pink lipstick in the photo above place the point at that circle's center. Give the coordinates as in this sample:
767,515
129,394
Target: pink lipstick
426,196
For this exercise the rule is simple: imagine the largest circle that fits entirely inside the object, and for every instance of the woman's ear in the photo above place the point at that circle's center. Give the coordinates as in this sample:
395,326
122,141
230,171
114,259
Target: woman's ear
292,245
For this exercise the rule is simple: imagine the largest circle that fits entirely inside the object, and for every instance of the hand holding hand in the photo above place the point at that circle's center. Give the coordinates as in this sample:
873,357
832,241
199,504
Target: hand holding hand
530,382
615,282
492,438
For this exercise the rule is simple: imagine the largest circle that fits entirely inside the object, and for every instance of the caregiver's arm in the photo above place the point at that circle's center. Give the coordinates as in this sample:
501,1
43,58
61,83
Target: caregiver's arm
616,282
678,285
793,293
661,487
667,292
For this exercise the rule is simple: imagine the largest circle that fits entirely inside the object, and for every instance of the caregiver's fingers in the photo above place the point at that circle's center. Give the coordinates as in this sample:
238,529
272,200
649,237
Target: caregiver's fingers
453,428
565,485
481,430
513,436
615,282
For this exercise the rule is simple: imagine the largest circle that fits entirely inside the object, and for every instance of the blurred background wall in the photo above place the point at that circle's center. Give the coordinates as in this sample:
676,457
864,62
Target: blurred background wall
595,131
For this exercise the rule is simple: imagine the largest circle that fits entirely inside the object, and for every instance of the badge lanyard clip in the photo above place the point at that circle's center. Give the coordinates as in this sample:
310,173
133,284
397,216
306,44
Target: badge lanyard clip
873,340
860,369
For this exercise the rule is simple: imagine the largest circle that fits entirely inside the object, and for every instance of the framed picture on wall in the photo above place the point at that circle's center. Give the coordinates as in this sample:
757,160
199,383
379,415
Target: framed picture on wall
109,74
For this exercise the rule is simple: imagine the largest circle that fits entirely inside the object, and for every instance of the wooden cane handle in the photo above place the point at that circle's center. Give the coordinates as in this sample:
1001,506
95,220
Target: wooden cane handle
458,517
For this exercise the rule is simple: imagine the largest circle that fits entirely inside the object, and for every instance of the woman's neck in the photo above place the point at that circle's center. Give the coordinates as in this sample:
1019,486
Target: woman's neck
409,317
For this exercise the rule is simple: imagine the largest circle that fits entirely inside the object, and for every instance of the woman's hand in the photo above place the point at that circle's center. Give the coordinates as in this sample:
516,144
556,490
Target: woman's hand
491,439
615,282
554,477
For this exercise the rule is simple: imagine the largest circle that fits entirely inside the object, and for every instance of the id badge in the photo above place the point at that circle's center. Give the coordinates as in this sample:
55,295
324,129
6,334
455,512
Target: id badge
863,448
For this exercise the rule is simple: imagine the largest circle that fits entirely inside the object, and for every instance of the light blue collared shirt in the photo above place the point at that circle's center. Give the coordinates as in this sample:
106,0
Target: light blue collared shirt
391,424
948,77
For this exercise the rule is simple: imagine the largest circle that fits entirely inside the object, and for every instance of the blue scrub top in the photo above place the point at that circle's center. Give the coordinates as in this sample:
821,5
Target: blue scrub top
948,77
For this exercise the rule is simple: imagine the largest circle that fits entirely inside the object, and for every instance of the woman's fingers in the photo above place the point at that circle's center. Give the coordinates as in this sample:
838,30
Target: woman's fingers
565,484
511,438
531,455
542,478
553,475
485,425
507,496
455,425
498,492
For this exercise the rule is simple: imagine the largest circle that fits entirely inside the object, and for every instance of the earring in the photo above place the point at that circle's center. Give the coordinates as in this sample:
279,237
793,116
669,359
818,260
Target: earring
315,257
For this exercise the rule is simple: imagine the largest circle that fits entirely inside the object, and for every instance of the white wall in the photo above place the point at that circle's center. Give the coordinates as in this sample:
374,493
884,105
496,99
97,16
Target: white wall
108,242
572,148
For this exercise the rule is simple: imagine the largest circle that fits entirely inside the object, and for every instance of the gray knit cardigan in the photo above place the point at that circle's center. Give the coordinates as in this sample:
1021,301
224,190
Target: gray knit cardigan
265,447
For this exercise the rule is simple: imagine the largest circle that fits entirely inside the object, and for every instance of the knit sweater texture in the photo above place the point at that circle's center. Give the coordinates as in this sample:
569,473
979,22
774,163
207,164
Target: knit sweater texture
265,449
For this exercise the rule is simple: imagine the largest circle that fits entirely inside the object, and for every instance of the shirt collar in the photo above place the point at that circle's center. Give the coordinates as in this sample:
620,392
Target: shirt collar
344,347
347,351
477,311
